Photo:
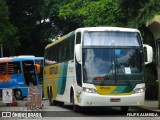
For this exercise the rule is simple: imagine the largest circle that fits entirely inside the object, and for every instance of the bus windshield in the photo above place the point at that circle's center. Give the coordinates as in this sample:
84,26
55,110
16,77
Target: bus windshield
108,66
111,38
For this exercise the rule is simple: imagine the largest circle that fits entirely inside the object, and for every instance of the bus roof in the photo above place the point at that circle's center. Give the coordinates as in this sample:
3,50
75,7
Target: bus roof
92,29
60,39
106,29
19,58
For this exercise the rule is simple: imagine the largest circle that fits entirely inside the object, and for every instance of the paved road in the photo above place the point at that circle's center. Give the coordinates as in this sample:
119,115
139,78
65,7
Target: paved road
65,112
86,111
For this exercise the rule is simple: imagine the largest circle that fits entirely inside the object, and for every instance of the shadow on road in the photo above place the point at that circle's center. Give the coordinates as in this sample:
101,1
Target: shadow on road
97,111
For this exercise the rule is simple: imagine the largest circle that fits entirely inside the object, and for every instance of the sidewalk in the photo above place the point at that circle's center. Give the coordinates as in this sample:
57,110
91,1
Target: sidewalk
151,106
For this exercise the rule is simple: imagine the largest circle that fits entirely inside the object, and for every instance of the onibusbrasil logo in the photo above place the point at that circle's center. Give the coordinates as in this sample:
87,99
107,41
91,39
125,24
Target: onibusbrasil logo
22,114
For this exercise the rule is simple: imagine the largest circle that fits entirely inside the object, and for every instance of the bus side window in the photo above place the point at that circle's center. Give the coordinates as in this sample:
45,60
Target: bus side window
61,52
78,74
78,38
78,66
17,68
71,47
2,68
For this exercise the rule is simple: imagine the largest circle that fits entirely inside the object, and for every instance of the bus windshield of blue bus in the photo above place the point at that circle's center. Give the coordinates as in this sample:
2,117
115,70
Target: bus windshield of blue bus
105,66
111,38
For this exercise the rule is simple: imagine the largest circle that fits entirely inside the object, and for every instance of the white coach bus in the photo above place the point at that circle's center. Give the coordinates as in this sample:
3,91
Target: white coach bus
96,66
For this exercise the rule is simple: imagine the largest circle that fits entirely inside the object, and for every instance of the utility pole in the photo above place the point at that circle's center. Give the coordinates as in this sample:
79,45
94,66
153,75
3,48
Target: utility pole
154,26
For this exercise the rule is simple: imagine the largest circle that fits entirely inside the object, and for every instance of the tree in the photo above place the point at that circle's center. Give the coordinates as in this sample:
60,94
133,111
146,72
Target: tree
90,13
8,38
36,21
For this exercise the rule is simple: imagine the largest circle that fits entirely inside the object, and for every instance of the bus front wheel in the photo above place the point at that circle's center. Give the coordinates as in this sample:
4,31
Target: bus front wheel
124,109
76,108
18,94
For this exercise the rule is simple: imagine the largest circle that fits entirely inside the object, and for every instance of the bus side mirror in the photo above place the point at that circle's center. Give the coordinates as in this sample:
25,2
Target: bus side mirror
38,68
149,51
78,53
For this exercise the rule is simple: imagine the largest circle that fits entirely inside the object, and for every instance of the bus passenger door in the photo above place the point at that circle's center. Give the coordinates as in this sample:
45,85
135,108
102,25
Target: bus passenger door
29,73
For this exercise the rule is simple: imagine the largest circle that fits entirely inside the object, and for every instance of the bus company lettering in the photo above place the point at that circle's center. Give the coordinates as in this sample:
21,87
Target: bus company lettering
105,88
53,70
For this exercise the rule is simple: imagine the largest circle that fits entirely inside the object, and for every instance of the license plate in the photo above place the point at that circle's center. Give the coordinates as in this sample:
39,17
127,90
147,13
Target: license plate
115,100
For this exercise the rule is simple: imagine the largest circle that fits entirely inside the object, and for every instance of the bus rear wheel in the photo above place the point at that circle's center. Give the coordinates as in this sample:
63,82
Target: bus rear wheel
51,101
18,94
50,98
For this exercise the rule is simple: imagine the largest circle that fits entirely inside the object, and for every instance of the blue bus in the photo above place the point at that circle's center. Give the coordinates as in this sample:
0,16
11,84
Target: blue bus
18,73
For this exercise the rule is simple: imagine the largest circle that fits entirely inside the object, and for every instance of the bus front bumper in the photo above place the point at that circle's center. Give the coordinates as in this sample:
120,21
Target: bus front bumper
91,99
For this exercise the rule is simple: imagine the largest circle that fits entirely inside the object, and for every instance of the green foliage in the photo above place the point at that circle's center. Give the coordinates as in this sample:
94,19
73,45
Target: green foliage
150,8
125,13
36,21
91,13
103,15
8,38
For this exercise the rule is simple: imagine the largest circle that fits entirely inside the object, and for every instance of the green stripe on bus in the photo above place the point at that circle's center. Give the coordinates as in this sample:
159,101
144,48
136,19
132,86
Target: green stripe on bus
62,78
123,89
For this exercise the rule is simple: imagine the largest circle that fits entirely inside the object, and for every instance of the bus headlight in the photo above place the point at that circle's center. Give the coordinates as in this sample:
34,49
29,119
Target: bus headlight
139,90
89,90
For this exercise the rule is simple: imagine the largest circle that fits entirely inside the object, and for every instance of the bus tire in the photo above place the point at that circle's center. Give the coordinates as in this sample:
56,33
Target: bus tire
50,98
48,93
18,94
60,104
76,108
51,101
124,109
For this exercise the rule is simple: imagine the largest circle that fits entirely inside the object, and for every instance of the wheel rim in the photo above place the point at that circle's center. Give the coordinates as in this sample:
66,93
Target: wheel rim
18,94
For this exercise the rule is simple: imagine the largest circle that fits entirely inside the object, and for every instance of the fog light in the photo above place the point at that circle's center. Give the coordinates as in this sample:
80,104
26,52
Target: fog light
89,103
